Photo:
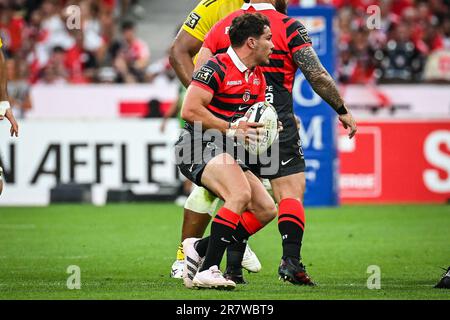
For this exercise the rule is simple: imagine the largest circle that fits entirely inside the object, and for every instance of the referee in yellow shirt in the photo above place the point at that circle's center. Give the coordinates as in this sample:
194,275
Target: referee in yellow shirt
191,35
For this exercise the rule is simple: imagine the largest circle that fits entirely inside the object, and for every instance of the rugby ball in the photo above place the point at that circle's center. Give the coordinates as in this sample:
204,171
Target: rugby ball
265,113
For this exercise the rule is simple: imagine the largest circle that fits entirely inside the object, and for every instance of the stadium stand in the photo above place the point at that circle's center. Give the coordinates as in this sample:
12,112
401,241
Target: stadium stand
44,50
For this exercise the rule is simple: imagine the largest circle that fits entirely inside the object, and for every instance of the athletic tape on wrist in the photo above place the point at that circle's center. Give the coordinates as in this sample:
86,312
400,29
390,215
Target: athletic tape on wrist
342,110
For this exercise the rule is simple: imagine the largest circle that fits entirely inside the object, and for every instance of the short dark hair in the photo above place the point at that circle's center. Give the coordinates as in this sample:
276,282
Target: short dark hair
127,25
58,49
245,26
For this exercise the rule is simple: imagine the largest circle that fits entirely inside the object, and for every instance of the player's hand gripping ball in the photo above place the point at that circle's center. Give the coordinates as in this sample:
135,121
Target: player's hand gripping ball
265,113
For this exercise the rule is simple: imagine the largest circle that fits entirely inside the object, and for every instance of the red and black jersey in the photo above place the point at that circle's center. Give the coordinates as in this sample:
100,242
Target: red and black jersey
288,36
234,87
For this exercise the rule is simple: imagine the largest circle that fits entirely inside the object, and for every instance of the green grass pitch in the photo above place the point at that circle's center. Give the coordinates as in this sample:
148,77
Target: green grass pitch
126,251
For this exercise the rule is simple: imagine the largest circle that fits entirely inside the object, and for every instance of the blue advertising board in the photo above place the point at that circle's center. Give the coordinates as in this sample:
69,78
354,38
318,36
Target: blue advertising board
317,117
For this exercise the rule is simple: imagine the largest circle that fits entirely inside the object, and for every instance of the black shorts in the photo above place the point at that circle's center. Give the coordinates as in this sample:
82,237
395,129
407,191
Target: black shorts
194,150
283,159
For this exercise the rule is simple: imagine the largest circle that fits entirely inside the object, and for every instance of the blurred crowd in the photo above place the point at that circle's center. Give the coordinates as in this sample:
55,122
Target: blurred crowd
411,42
45,42
73,41
49,41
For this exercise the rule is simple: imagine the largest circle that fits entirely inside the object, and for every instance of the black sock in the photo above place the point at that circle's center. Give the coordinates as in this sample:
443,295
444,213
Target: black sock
292,236
201,246
222,229
219,239
291,223
235,252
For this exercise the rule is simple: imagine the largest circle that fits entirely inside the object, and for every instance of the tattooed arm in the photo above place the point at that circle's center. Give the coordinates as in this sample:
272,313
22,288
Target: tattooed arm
324,85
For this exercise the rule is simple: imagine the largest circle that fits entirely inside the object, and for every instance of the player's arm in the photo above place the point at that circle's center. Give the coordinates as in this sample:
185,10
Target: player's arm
190,39
3,80
324,85
205,83
182,52
5,109
203,56
195,109
319,78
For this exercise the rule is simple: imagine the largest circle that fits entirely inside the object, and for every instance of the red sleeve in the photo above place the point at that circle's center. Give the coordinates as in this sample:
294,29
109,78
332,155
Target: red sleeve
203,86
210,41
297,36
209,76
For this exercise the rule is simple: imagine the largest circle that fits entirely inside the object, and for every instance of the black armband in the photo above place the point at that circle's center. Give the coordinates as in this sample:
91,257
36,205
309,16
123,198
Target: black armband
342,110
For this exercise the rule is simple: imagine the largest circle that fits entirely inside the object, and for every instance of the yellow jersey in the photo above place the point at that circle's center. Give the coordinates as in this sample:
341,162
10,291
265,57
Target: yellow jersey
206,14
1,44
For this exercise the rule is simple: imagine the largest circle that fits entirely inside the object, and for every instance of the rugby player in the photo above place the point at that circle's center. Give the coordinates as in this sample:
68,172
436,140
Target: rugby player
5,108
201,204
292,50
213,103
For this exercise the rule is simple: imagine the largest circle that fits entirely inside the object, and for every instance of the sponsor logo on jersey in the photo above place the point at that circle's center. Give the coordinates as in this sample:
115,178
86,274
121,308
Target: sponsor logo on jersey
204,74
283,163
234,83
192,20
304,34
300,148
246,96
225,240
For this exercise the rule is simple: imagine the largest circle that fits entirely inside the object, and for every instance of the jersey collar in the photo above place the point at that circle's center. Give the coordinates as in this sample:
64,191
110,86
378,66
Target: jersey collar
237,62
258,6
